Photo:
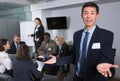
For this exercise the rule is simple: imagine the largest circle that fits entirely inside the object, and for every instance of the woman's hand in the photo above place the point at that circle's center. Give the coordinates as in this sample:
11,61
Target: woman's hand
37,39
29,35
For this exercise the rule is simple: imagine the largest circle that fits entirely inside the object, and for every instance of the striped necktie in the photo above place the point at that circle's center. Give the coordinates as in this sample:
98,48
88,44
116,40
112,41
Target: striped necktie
81,60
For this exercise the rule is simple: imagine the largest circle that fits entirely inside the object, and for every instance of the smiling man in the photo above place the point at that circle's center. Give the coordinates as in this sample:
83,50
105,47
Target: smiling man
92,48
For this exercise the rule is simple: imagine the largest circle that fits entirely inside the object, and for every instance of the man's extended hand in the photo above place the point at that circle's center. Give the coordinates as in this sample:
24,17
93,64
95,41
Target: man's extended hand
51,61
104,69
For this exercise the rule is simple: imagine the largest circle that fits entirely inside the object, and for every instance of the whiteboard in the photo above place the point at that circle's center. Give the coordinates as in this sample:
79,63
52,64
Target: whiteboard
27,27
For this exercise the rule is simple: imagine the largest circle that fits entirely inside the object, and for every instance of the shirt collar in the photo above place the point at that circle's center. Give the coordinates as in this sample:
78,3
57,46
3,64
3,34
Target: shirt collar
91,30
15,43
38,26
60,47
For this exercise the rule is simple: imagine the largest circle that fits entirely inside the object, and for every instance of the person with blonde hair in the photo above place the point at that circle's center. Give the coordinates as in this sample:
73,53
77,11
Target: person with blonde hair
62,51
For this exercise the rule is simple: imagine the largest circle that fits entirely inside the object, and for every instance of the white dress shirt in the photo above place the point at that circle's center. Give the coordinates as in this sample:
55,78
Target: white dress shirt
5,62
36,29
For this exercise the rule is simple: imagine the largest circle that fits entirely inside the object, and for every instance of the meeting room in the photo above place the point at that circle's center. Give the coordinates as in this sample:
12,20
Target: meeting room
59,40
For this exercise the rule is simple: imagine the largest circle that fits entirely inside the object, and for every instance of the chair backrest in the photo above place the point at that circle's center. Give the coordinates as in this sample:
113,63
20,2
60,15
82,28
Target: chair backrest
5,77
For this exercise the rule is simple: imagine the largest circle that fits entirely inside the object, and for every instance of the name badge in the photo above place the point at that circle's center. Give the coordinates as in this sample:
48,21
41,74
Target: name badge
96,46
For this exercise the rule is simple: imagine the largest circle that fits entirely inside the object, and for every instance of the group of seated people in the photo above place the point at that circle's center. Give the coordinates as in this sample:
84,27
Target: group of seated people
23,67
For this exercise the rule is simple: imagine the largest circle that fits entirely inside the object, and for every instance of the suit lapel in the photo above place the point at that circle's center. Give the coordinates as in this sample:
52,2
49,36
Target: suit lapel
78,45
93,40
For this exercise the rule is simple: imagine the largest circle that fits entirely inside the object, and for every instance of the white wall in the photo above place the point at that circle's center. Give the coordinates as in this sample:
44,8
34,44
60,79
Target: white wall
109,19
57,3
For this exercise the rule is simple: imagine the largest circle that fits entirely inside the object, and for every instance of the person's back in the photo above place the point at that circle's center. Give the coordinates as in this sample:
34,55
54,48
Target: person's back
24,68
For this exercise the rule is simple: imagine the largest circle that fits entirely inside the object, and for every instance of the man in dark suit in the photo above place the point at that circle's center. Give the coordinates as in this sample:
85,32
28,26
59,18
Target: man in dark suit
92,49
16,43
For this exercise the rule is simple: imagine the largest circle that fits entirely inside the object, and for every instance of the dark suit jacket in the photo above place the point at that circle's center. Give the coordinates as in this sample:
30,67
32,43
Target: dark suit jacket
94,56
39,33
13,49
63,52
25,70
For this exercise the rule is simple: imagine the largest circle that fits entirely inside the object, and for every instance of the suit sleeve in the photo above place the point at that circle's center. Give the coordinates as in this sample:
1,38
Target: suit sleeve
66,50
64,60
106,55
32,35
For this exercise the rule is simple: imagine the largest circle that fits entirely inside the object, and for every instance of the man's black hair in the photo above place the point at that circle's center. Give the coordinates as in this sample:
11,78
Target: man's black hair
47,34
91,4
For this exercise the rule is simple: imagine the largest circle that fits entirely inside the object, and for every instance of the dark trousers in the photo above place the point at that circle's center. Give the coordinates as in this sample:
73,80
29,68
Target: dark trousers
76,78
37,45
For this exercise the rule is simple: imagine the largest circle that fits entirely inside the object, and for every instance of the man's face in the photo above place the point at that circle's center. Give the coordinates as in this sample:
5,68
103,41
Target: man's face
46,38
16,39
89,16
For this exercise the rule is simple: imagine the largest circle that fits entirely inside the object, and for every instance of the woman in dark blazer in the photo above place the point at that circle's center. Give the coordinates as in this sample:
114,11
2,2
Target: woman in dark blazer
24,68
38,35
62,51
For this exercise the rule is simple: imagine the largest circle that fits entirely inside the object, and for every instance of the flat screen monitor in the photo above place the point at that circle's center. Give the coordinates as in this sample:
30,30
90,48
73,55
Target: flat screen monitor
56,22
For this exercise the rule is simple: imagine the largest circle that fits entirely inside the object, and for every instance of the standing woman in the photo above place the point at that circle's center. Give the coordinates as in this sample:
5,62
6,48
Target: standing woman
38,35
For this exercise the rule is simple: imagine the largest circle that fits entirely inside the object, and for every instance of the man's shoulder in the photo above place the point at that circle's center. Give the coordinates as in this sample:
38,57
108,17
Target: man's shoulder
105,31
43,42
78,32
12,44
52,41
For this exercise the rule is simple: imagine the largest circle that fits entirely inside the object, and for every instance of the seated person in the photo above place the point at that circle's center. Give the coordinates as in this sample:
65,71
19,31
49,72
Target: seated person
15,44
5,61
24,69
62,51
48,46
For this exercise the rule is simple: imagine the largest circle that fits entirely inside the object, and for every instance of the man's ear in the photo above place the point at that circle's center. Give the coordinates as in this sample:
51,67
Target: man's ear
82,15
98,15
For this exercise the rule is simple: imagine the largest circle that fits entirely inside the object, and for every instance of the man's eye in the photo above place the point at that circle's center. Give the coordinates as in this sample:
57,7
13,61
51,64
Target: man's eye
85,13
92,13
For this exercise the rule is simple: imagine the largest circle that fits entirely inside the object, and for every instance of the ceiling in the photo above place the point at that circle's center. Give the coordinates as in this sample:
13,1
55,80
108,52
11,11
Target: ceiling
12,4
